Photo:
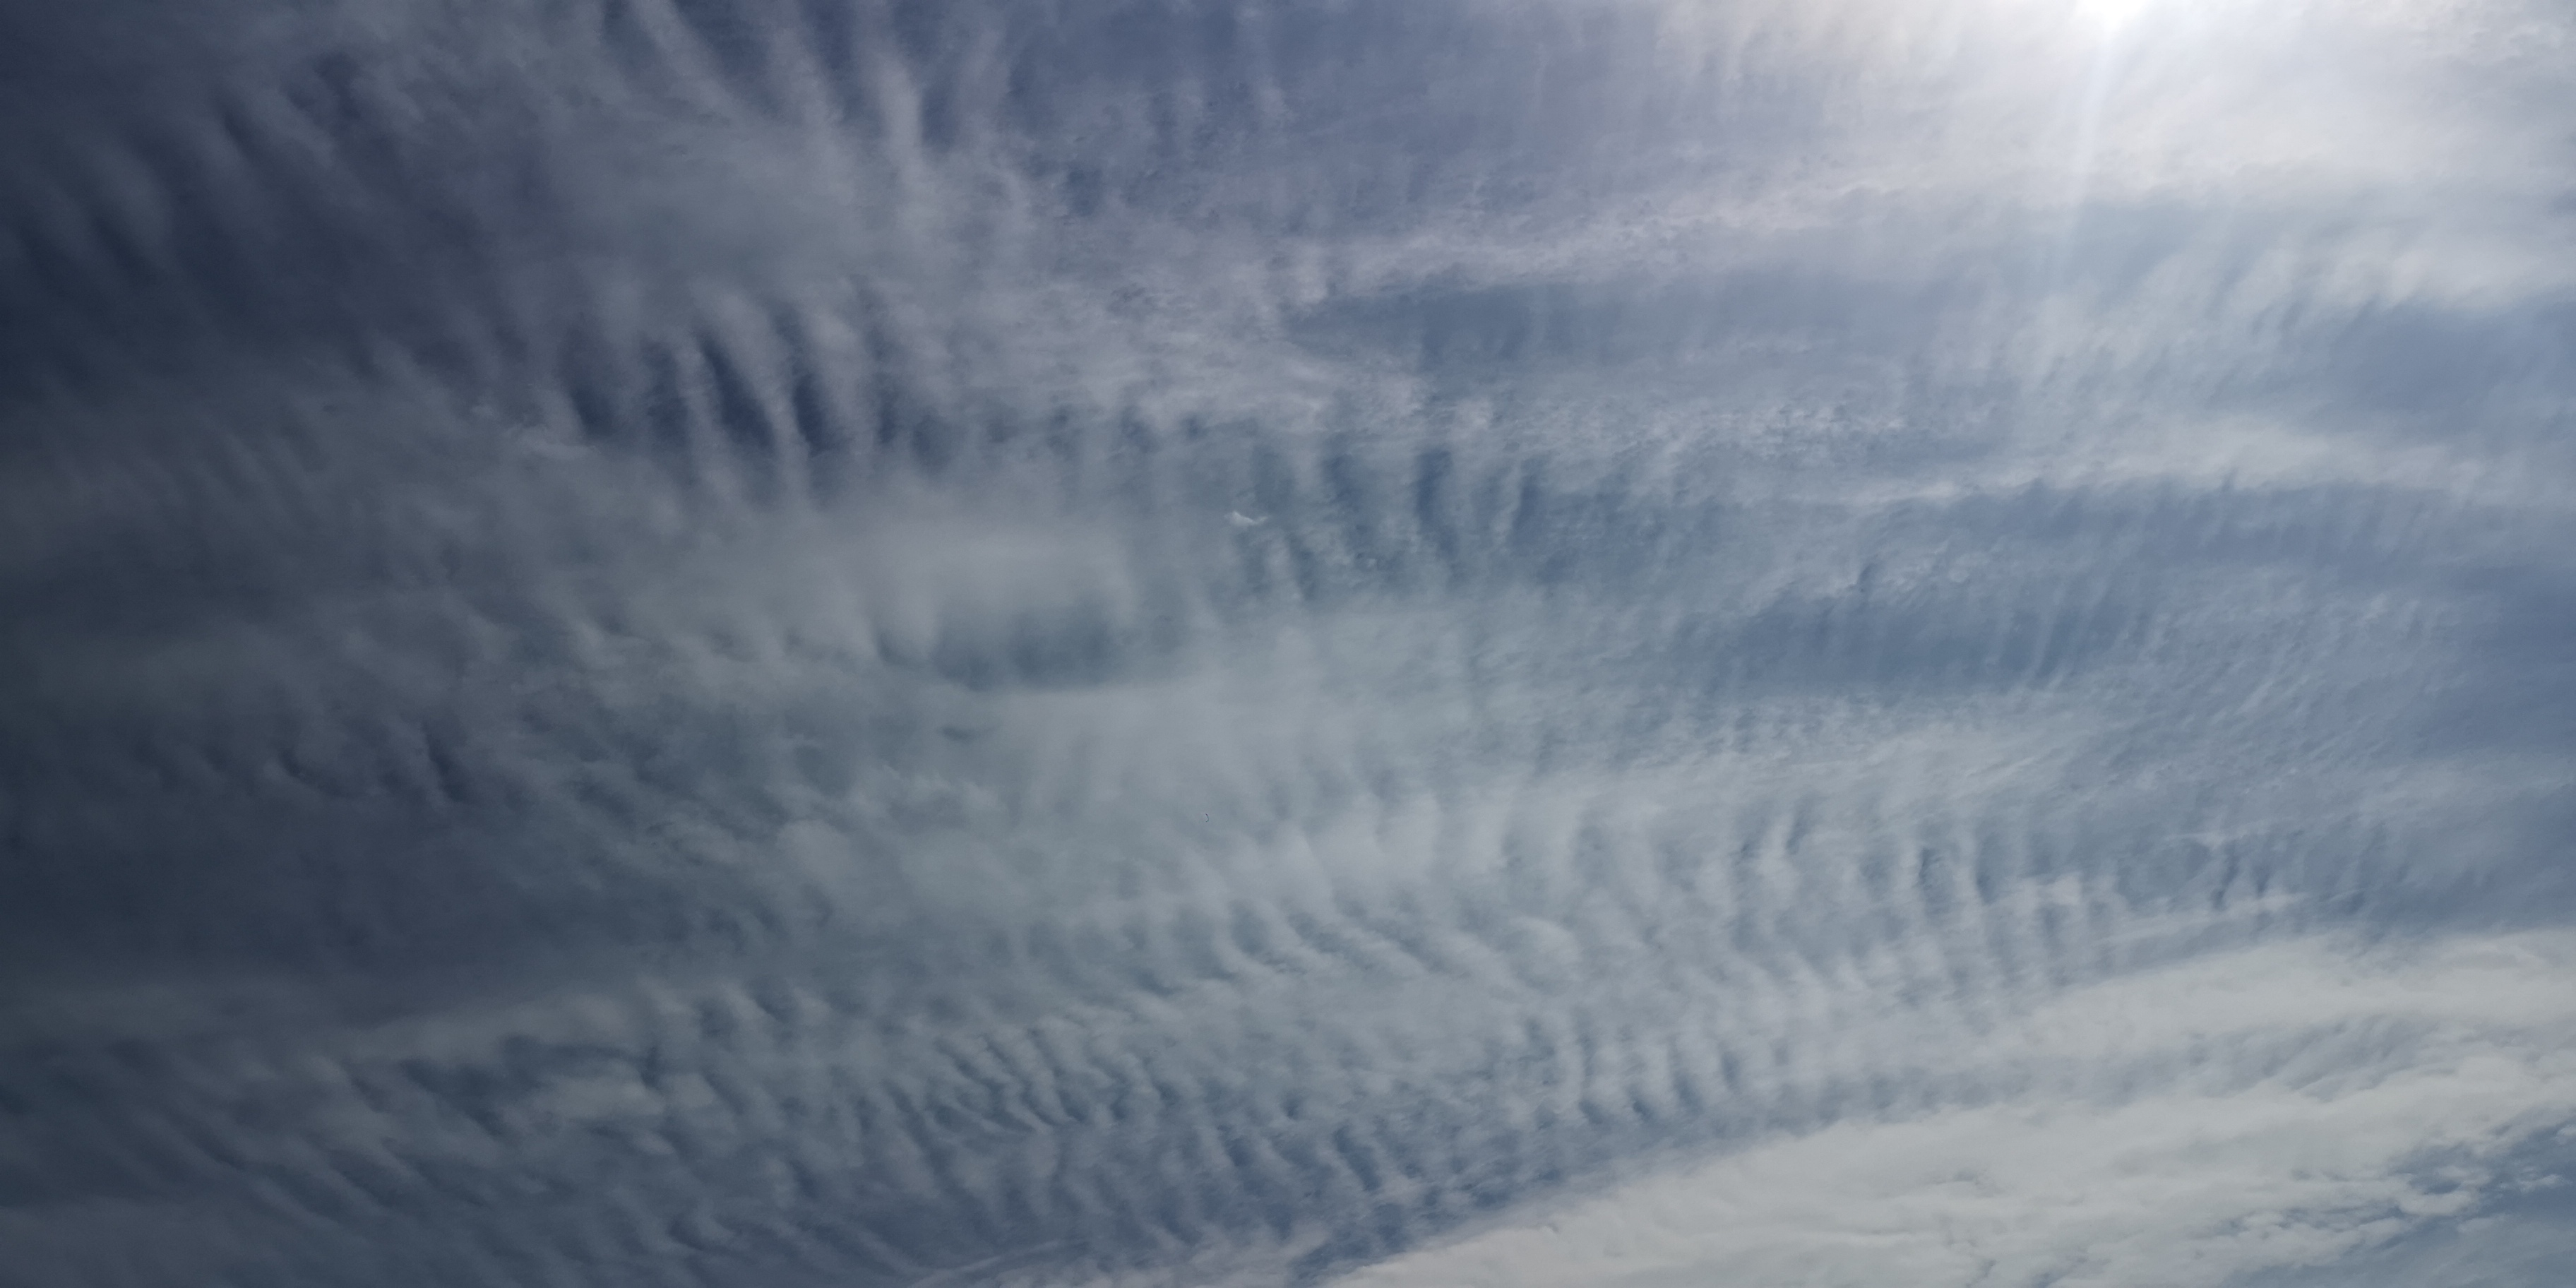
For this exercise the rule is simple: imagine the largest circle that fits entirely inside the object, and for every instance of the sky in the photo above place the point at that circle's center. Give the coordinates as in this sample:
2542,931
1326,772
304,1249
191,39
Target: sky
1456,644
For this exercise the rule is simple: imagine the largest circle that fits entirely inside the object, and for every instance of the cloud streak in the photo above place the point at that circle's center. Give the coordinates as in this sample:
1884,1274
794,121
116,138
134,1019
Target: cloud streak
767,643
2329,1100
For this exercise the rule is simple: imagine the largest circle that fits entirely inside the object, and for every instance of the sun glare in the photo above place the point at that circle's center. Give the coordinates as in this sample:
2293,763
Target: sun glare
2111,15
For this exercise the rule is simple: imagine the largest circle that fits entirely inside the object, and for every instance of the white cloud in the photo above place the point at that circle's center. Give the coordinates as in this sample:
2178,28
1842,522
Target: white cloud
1573,575
2448,1056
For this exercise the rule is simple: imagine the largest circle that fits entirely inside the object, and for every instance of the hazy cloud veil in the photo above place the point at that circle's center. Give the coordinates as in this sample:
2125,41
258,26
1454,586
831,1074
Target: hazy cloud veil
762,643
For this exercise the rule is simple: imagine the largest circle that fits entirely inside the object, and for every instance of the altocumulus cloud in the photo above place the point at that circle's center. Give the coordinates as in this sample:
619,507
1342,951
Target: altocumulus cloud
777,642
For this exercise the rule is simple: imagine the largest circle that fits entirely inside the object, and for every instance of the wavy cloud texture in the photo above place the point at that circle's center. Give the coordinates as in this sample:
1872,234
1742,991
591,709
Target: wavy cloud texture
776,642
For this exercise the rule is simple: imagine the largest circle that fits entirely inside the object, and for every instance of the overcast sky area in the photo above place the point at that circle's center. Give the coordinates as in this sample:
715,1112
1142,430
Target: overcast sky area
1411,644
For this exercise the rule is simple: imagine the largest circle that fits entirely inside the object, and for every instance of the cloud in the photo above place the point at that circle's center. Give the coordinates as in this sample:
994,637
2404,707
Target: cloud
2395,1086
775,643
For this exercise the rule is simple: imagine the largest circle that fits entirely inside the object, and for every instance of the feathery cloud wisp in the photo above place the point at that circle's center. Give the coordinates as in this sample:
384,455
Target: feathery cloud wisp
770,643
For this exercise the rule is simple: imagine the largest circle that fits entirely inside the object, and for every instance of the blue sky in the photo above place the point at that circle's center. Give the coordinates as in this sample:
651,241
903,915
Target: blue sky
1507,644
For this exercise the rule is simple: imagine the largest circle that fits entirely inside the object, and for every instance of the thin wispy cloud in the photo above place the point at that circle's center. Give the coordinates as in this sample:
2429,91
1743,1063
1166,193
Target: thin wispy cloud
765,643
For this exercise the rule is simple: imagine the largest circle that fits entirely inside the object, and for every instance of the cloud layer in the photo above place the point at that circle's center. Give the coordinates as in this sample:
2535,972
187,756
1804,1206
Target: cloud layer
758,643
